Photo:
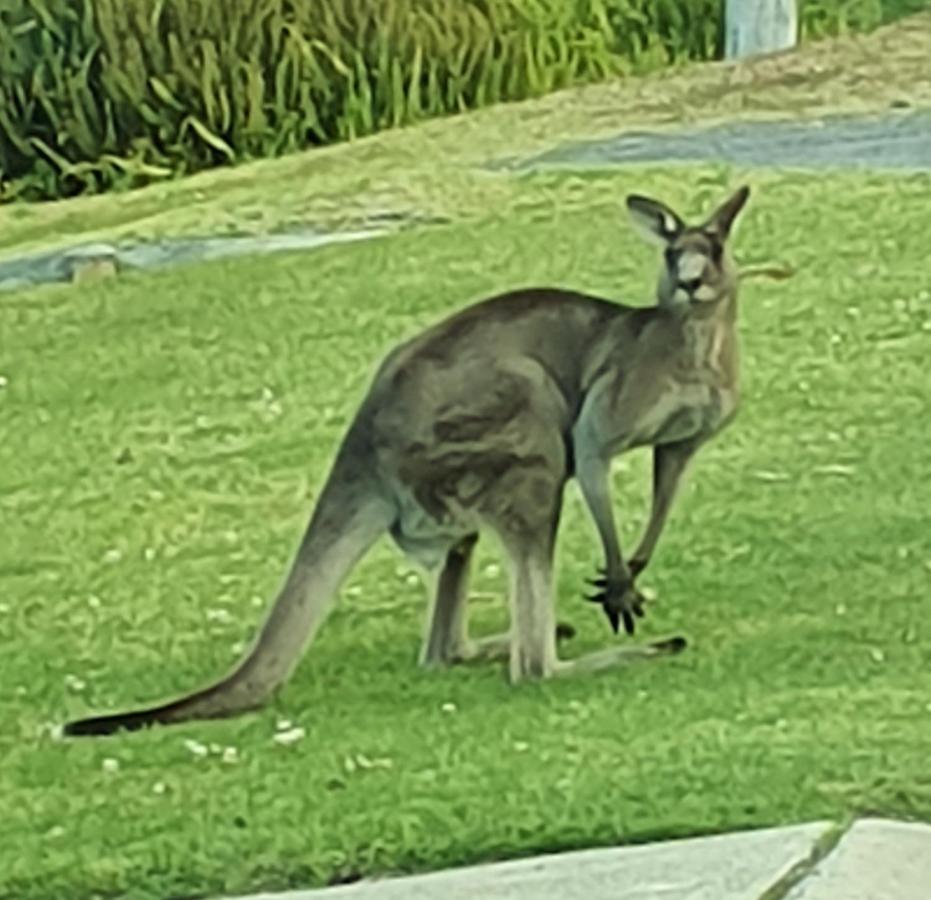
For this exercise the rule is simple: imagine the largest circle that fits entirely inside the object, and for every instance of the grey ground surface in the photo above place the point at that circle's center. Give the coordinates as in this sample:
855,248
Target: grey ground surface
893,140
873,860
723,867
62,265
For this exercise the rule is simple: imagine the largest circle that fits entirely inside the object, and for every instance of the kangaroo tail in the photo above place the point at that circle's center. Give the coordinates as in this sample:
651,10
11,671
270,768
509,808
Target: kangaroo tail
350,515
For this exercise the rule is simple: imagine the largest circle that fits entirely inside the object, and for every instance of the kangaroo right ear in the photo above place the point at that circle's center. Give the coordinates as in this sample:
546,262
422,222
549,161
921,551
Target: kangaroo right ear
654,220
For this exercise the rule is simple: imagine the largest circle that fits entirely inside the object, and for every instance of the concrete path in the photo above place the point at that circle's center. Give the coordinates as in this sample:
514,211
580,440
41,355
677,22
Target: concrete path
891,140
874,860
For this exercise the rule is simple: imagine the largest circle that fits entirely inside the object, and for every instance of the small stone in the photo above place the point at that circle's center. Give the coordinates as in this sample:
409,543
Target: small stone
292,736
218,615
93,270
75,683
448,707
195,747
110,765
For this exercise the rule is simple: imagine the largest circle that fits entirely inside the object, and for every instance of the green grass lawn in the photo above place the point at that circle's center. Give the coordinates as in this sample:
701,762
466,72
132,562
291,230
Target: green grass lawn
164,438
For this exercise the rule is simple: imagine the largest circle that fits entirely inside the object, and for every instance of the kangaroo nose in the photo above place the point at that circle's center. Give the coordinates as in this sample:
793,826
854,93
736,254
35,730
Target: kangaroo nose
690,285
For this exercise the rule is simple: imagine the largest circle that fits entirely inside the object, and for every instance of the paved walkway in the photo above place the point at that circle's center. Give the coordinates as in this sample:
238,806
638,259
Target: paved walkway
890,140
873,860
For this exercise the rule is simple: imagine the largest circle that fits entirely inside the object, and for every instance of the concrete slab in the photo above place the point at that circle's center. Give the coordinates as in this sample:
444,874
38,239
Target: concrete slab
875,860
724,867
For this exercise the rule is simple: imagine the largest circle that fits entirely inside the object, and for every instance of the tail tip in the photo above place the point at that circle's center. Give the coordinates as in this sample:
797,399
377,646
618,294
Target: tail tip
99,727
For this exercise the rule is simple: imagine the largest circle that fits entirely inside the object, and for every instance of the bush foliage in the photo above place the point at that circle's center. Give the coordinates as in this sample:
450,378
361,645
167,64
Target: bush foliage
103,93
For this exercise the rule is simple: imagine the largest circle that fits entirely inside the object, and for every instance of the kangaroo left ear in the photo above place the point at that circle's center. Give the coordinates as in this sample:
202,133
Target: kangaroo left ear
722,219
654,220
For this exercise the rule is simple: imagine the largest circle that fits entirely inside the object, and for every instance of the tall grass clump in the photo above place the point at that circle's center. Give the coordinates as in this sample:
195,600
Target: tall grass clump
102,93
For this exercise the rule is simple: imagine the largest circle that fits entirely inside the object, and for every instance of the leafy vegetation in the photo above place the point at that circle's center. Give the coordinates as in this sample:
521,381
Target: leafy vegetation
102,93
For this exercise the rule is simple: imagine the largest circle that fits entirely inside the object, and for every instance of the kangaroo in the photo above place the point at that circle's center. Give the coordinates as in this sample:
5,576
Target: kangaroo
478,423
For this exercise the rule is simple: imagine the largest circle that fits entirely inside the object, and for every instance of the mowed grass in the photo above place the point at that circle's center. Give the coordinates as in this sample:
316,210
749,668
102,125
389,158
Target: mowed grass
164,436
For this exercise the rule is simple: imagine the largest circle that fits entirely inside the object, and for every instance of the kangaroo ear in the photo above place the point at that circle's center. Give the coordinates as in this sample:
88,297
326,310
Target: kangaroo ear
654,220
722,219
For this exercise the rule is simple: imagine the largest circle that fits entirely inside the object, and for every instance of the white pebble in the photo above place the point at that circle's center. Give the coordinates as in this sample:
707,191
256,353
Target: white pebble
219,615
75,683
289,737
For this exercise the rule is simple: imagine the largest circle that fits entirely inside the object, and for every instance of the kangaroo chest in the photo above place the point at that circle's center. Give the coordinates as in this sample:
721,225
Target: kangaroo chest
697,396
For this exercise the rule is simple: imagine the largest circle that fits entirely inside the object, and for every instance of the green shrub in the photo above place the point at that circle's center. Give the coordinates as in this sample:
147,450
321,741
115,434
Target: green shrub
820,18
103,93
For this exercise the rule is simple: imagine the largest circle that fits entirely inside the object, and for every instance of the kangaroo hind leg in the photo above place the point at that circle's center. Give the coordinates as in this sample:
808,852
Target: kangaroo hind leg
446,637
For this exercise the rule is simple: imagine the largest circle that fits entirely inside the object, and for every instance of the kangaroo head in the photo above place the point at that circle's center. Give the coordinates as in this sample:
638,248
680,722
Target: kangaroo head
698,267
